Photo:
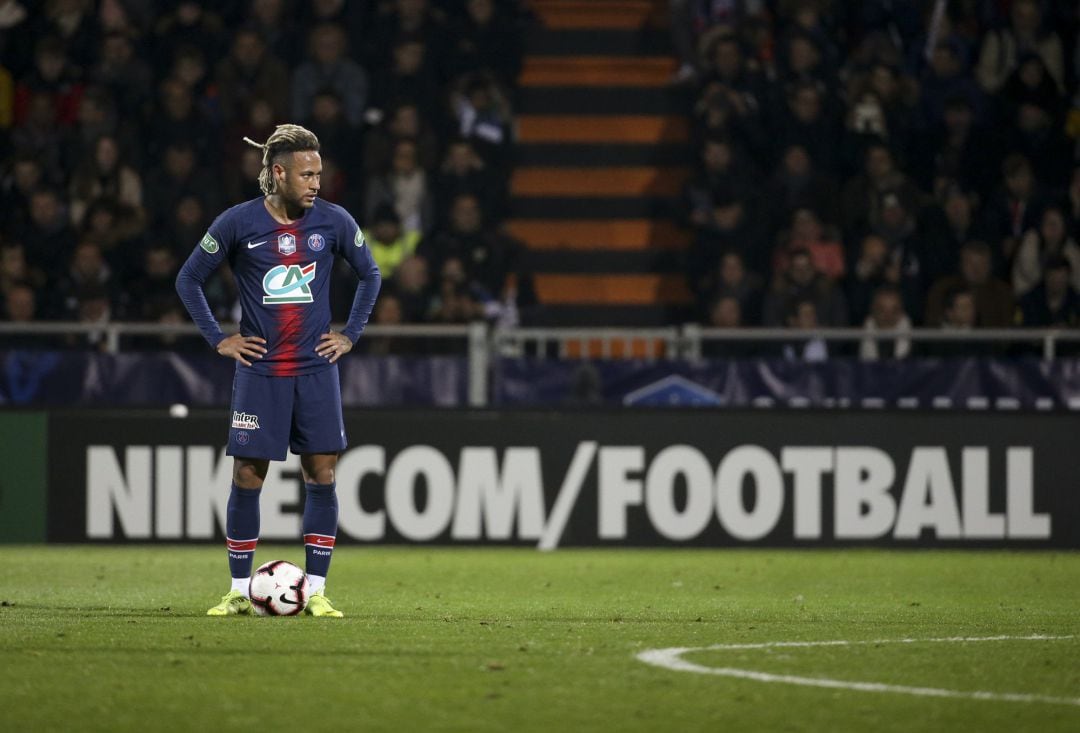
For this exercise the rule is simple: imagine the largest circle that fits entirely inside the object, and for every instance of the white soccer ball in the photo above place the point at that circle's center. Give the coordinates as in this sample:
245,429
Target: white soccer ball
278,588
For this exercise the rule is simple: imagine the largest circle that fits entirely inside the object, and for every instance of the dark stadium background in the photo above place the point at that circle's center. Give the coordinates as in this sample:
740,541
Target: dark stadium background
771,205
763,314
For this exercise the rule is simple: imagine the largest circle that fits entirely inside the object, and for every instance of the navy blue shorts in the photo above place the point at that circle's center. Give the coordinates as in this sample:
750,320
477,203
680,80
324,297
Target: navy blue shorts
272,414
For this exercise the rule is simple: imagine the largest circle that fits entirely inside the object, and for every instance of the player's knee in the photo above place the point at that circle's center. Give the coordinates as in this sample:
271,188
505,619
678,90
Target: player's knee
323,475
318,468
248,475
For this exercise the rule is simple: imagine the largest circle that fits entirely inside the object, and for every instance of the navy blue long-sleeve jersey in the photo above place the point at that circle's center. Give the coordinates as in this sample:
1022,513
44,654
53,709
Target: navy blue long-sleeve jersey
283,274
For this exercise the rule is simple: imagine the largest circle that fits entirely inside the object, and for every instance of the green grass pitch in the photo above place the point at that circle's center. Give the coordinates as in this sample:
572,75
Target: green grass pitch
114,639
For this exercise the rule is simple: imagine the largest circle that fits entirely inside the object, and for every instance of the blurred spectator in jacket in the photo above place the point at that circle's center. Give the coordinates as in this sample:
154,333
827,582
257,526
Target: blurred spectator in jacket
721,170
1055,301
878,266
1052,240
1033,112
412,78
249,73
124,73
993,297
270,20
175,177
946,78
329,66
38,134
801,314
800,281
23,178
484,116
1002,48
958,149
87,269
807,233
1014,208
412,285
489,258
55,76
463,171
725,226
402,122
864,193
733,280
405,187
808,124
336,137
959,314
886,316
456,299
177,118
486,39
798,184
47,235
947,224
20,306
187,23
390,243
104,173
154,291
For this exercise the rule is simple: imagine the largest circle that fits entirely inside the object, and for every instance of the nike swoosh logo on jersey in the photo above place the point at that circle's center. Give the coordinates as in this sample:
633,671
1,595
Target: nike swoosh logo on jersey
253,245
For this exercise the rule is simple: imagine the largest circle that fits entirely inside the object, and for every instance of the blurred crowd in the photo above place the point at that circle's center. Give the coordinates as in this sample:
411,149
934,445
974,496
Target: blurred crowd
121,126
883,164
877,164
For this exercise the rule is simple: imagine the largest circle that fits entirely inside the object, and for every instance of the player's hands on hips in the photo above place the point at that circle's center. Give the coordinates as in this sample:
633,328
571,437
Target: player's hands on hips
332,345
242,348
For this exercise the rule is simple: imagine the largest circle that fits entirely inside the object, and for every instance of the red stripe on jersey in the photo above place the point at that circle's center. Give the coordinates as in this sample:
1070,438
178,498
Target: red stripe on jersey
289,317
241,545
319,540
290,324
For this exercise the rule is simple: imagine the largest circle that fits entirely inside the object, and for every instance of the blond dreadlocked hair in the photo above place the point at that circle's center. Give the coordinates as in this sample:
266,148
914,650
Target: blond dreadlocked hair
284,139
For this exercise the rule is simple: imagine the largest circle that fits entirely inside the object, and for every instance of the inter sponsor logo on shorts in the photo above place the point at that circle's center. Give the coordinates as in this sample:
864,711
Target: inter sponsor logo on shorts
288,284
316,242
244,421
286,244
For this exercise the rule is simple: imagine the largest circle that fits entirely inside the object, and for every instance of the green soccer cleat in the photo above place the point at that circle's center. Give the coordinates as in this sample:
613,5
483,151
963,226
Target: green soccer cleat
232,603
319,605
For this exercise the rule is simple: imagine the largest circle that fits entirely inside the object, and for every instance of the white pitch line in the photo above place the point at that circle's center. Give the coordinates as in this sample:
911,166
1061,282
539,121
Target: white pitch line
671,658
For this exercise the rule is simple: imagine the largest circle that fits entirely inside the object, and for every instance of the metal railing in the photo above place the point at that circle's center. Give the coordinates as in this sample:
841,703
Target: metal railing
1048,338
480,344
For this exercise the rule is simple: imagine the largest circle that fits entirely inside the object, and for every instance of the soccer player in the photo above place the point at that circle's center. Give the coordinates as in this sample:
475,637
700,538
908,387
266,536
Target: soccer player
286,394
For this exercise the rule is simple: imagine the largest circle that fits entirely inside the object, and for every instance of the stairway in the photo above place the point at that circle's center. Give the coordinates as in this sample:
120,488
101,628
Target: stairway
603,152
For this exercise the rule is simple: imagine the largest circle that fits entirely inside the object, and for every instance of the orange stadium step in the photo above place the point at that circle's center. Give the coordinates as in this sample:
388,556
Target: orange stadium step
610,129
611,14
629,348
598,71
599,234
612,289
605,181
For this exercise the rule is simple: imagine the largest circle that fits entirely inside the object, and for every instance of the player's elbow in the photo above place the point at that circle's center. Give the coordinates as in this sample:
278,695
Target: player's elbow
186,282
373,277
183,281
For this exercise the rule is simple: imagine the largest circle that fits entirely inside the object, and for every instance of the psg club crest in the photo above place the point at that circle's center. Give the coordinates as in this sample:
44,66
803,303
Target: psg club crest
316,242
286,244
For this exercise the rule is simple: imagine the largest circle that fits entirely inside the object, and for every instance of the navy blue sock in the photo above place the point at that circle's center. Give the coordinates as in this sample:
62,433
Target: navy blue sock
242,530
320,527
